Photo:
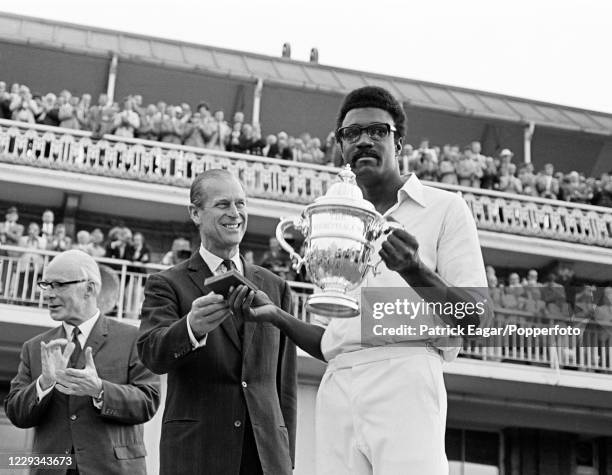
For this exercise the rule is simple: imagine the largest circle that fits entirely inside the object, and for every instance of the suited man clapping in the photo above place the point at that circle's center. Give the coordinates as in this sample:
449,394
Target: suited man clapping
231,400
81,385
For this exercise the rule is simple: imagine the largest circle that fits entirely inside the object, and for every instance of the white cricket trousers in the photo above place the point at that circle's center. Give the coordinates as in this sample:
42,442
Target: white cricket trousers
382,411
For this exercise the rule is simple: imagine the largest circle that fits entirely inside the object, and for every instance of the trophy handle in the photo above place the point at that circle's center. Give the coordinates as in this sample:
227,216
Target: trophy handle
387,227
280,237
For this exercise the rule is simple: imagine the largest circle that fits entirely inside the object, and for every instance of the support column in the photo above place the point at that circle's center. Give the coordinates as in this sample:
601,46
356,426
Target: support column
529,130
257,101
112,78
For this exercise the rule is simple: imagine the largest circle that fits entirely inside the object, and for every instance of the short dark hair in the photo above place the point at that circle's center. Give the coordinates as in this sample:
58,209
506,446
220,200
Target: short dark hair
197,194
379,98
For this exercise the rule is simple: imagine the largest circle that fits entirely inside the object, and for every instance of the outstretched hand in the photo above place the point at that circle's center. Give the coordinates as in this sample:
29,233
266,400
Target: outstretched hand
251,305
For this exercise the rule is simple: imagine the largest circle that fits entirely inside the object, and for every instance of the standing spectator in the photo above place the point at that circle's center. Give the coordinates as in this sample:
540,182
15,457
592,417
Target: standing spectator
103,385
82,112
466,168
60,241
101,117
83,242
270,150
119,246
48,111
505,156
23,107
527,179
258,143
5,102
68,111
508,182
194,132
141,252
603,193
30,263
222,132
180,251
172,128
446,171
11,230
127,121
480,163
46,228
546,184
490,174
97,243
234,142
149,124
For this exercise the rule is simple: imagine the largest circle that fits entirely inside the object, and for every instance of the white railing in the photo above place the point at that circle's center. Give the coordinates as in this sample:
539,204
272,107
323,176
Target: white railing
591,351
280,180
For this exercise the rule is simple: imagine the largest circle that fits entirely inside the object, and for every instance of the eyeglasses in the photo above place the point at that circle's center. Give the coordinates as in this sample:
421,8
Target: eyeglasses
376,131
44,285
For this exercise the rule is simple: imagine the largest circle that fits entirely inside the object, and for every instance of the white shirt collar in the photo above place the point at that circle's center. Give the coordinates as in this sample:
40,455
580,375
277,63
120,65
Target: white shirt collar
84,327
413,189
213,261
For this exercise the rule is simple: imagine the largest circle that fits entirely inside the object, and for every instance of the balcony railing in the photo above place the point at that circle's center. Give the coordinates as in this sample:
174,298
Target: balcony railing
592,351
279,180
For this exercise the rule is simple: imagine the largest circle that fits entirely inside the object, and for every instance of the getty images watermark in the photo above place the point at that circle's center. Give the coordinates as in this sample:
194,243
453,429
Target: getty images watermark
417,316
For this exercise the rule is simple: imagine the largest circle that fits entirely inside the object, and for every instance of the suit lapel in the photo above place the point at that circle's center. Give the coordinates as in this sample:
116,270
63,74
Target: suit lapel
97,337
198,272
254,275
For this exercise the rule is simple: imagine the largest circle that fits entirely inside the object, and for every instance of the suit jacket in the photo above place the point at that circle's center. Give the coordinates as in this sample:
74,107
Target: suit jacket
107,440
212,389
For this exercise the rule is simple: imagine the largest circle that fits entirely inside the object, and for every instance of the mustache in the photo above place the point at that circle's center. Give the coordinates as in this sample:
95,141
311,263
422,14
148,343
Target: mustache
365,153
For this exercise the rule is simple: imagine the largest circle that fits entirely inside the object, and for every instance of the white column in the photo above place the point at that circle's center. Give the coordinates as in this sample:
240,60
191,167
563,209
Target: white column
112,78
528,134
257,101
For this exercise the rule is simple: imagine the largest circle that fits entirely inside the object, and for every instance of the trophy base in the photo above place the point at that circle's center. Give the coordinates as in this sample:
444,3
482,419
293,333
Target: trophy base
332,304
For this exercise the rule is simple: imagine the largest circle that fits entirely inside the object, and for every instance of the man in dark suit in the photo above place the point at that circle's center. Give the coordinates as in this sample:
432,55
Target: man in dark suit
231,402
89,404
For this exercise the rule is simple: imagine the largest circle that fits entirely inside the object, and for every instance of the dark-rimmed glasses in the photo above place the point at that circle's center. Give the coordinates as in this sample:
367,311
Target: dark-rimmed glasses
45,285
376,131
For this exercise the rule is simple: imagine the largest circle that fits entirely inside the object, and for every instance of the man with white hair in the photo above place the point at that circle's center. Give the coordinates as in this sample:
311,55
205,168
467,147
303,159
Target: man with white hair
81,385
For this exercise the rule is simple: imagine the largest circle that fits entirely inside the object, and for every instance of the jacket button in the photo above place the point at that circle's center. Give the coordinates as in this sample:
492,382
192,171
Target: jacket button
244,384
237,423
73,417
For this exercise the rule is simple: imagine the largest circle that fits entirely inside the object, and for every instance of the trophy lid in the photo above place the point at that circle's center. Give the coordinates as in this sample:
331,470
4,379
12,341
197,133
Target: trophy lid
345,192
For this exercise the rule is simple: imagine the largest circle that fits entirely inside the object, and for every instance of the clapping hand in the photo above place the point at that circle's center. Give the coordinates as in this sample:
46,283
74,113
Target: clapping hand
53,359
80,382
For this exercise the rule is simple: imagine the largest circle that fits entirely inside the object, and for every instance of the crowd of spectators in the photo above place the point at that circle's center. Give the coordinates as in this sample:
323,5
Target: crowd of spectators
469,167
203,128
199,127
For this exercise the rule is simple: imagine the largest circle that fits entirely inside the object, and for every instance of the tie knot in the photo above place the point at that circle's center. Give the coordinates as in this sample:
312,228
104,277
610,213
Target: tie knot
75,332
228,264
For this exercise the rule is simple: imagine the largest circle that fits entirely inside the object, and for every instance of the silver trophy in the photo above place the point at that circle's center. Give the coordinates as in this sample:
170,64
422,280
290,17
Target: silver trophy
340,229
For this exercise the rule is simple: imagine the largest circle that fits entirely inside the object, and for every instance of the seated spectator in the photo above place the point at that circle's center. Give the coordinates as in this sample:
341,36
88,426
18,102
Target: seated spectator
126,122
60,241
83,242
119,245
180,251
97,243
149,124
547,186
47,225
